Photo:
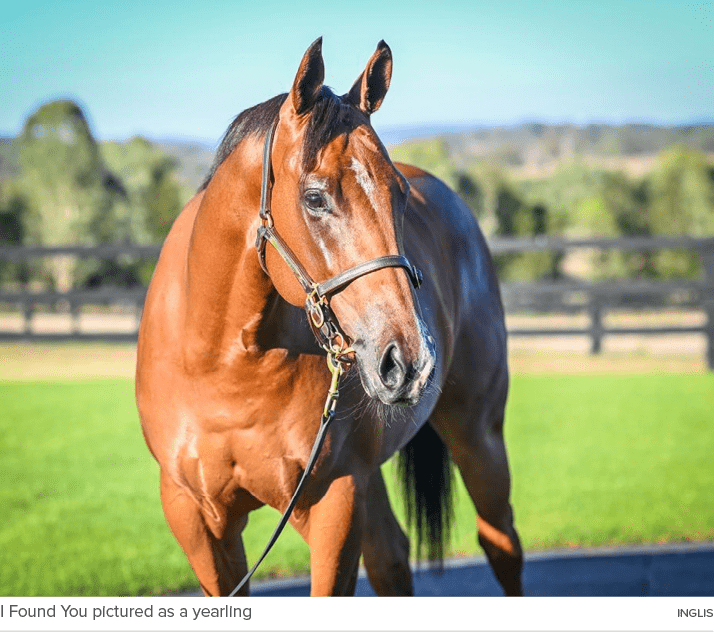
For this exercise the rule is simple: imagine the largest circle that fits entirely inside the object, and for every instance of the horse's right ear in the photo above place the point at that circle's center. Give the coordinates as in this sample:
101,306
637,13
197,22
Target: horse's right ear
309,78
368,92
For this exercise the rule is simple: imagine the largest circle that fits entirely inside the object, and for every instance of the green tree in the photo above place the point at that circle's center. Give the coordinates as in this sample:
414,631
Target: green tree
431,155
154,193
13,209
591,202
470,192
162,201
681,194
72,196
516,218
12,214
154,198
681,189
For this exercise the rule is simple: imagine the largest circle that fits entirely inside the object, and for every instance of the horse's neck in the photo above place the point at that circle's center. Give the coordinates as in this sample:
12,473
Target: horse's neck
227,291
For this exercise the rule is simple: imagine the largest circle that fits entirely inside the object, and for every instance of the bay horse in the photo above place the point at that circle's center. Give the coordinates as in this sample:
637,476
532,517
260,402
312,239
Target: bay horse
231,383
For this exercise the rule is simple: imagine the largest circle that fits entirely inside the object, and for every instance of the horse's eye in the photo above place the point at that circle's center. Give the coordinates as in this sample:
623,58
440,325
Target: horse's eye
315,200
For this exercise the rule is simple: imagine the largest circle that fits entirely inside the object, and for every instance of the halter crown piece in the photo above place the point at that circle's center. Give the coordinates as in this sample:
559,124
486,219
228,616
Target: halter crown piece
322,320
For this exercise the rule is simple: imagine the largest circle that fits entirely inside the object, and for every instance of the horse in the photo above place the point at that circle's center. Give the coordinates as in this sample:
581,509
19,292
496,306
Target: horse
231,381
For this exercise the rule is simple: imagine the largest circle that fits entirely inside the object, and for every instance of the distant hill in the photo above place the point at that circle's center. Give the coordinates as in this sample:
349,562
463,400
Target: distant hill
535,141
529,149
536,149
193,160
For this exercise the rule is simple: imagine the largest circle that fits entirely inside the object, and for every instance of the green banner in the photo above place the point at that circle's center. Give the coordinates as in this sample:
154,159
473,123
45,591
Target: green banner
355,614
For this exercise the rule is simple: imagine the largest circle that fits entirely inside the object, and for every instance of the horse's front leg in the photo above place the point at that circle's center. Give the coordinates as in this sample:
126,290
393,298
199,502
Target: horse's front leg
333,530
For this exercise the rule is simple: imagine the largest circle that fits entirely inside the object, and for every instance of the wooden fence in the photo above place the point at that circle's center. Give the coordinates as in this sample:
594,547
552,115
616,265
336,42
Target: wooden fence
73,301
597,298
556,297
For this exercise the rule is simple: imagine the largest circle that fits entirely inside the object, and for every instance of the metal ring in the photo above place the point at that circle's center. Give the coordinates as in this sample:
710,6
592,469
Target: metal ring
320,320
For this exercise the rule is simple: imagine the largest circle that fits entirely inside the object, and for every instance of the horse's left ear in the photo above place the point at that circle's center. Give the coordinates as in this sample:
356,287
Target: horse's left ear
309,78
368,92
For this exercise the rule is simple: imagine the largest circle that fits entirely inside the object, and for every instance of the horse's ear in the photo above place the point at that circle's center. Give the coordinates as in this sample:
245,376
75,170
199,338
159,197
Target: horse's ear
309,78
368,92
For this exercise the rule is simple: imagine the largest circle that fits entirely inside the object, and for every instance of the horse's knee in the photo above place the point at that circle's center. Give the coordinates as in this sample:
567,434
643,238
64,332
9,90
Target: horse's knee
215,552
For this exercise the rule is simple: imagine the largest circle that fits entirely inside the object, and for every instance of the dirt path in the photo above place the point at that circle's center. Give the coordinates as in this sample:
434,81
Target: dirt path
66,361
81,361
561,354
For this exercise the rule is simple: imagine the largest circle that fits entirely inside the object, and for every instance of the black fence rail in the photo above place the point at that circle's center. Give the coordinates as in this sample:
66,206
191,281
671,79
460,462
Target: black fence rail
597,298
73,302
542,297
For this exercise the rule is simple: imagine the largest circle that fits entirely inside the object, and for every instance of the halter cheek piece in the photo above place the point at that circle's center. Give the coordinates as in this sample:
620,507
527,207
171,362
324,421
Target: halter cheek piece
322,319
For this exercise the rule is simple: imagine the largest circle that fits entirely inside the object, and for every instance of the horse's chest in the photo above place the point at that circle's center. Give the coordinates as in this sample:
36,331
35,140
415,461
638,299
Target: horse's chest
256,436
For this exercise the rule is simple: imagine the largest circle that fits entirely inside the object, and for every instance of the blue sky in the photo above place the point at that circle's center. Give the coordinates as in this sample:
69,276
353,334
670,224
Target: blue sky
183,70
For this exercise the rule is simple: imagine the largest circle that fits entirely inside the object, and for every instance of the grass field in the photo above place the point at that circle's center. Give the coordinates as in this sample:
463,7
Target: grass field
596,459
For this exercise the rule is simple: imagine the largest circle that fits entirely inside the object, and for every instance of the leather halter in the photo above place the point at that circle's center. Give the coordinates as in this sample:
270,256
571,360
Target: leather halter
322,319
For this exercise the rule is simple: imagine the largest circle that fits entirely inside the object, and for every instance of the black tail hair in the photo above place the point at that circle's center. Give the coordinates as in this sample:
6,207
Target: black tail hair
425,471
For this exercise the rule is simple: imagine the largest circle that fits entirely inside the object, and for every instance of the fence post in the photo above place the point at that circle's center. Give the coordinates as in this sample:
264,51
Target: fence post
27,309
595,326
74,311
708,301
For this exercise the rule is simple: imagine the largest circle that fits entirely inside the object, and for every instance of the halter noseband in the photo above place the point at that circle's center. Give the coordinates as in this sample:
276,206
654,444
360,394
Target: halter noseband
322,319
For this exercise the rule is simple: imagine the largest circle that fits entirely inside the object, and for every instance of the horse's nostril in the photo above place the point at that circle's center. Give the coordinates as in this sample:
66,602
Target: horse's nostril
391,367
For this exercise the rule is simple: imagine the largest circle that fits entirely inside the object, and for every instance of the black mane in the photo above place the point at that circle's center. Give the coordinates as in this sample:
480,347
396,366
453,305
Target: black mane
327,120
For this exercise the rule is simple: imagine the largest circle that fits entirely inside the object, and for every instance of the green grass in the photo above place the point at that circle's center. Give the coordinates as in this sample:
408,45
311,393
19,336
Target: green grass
595,460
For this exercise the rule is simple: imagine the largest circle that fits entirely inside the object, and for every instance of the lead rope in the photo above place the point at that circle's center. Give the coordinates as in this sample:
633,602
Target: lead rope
337,368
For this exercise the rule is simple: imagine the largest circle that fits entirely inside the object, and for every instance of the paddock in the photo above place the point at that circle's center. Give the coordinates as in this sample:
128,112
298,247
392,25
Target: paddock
599,459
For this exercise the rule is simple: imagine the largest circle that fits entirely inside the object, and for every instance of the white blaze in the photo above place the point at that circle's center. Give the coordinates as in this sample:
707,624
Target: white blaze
364,181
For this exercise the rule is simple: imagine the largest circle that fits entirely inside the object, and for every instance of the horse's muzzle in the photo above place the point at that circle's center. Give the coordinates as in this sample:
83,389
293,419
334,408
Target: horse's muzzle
401,379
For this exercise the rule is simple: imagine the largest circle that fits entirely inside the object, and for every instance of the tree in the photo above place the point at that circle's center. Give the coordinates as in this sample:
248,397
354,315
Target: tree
470,192
13,209
154,195
71,194
154,199
516,218
432,155
162,201
584,201
681,194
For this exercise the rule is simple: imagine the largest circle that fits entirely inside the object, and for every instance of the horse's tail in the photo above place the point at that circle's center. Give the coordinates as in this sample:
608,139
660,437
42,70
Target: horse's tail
426,474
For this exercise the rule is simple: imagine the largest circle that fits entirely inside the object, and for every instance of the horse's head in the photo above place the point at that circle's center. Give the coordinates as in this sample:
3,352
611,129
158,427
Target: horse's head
338,201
